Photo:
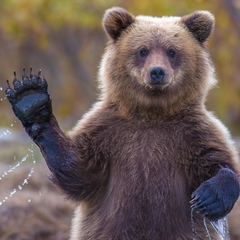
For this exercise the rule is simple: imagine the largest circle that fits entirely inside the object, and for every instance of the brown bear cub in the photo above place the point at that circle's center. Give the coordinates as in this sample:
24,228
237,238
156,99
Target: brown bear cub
148,155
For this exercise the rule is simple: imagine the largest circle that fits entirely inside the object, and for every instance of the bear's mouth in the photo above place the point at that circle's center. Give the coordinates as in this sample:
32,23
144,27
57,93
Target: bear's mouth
157,86
156,90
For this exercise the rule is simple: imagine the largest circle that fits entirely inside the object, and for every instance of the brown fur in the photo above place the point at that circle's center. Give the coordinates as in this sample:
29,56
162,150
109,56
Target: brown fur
144,150
149,145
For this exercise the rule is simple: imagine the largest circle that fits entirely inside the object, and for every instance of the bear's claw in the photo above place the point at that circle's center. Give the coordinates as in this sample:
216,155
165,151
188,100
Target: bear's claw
29,96
33,81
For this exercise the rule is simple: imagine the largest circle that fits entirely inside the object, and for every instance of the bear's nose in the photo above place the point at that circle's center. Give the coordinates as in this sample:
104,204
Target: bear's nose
157,74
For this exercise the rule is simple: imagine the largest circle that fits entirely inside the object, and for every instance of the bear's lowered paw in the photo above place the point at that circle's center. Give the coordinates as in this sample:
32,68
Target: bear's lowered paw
29,98
215,197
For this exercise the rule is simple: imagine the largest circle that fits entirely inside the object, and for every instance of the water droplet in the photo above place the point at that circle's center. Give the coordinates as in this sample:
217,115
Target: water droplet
194,232
1,88
206,227
19,187
25,158
14,191
25,182
29,200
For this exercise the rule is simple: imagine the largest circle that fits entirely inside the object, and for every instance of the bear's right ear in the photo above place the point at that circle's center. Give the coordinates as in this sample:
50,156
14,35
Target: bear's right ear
116,20
200,24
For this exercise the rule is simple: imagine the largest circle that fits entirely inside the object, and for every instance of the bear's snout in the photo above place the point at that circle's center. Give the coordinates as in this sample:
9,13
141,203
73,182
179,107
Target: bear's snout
157,75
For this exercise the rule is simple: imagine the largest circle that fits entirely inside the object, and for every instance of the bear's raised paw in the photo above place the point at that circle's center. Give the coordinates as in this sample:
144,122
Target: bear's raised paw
29,98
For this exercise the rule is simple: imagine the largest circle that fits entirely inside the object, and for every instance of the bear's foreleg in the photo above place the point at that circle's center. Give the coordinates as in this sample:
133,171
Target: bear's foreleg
72,169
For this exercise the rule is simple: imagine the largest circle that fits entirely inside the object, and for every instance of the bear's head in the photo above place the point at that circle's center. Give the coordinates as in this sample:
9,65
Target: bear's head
156,62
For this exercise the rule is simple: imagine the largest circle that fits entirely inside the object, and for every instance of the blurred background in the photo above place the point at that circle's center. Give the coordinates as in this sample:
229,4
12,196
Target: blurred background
65,40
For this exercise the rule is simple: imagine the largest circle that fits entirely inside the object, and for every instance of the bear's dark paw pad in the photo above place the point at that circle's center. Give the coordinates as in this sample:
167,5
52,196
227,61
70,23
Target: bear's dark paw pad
210,203
27,96
215,197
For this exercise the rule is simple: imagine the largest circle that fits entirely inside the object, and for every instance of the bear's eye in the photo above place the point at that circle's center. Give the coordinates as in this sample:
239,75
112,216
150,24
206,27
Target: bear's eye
143,52
171,53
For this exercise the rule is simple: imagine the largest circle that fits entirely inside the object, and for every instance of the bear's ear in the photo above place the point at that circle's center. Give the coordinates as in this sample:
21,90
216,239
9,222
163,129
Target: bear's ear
200,24
116,20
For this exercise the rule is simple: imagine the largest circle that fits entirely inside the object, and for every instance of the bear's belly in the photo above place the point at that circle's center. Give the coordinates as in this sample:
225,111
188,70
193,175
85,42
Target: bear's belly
148,194
138,211
144,204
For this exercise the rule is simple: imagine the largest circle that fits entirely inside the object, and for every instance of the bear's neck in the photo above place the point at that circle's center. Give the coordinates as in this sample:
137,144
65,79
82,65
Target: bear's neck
128,110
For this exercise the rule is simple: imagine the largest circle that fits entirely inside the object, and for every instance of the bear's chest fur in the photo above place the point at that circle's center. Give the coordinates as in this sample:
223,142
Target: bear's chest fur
148,166
144,155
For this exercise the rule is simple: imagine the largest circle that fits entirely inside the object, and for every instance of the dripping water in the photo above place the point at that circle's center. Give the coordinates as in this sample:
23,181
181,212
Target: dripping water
2,98
6,134
194,232
19,187
220,226
206,227
11,169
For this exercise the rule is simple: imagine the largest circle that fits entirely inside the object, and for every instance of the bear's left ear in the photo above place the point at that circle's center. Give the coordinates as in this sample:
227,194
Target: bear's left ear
200,24
116,20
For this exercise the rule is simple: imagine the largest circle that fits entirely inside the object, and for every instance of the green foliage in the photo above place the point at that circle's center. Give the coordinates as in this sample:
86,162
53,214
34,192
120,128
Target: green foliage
34,16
